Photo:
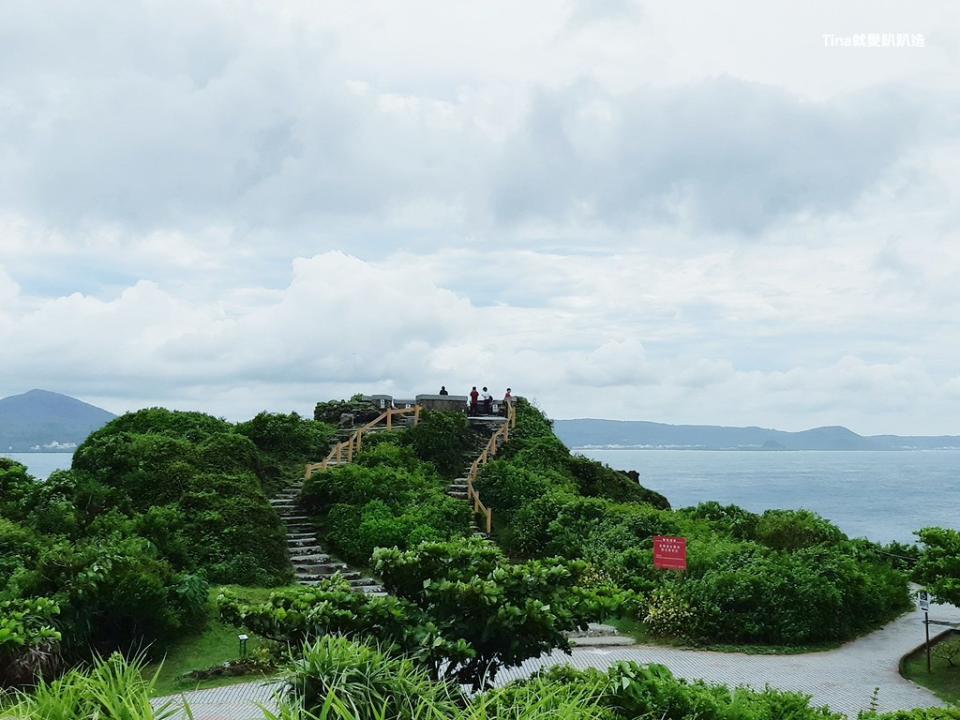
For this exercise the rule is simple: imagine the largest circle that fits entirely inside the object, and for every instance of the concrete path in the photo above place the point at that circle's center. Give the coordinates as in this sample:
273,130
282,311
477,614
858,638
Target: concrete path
844,678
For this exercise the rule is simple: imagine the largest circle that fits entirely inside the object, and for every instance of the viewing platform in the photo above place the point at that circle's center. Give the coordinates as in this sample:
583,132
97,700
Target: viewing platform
444,403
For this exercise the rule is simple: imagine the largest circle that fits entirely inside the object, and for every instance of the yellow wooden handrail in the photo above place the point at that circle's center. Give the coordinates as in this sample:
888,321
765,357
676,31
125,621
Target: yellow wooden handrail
354,443
490,450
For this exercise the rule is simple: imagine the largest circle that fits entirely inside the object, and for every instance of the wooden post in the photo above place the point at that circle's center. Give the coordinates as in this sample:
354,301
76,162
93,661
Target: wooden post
389,419
489,514
416,415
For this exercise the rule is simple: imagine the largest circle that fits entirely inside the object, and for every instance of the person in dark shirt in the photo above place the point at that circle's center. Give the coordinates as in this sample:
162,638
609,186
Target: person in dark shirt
474,396
443,390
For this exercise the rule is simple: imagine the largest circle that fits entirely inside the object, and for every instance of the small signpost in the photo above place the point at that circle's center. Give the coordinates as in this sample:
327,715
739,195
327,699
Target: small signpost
669,553
923,602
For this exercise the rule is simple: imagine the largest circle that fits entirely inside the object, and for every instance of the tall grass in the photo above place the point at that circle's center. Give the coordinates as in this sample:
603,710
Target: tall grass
337,676
111,689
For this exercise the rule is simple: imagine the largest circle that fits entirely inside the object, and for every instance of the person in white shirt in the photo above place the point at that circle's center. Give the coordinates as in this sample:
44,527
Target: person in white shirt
487,401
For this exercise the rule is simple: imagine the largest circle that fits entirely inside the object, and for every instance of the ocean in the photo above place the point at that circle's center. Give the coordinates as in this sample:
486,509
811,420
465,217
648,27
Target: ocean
879,495
41,465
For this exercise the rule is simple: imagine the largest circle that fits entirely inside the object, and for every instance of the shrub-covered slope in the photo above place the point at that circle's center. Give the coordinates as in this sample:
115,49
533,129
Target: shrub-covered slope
394,494
784,577
121,546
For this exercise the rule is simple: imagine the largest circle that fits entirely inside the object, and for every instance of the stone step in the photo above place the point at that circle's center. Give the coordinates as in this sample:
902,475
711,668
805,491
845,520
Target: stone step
320,577
292,518
457,495
363,582
297,551
310,559
325,568
302,535
303,543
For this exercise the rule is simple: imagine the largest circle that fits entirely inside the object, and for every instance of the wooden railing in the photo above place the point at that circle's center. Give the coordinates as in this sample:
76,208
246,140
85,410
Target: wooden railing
489,451
344,451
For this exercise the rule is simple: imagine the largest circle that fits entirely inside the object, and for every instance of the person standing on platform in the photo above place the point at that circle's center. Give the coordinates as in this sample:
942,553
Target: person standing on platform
474,396
443,390
487,402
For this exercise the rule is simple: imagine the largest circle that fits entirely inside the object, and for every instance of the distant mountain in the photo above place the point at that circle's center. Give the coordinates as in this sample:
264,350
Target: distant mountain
42,421
639,434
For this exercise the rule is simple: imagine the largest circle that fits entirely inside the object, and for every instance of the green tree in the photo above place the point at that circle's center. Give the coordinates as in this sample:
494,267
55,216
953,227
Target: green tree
505,612
939,566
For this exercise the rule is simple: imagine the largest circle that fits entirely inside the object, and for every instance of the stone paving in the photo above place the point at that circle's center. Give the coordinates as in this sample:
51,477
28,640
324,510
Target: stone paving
843,678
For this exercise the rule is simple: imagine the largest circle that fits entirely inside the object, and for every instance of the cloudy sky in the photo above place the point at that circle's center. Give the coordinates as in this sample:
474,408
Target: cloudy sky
684,212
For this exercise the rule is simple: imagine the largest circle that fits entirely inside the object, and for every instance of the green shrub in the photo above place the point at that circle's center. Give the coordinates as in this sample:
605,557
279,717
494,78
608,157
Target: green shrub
442,438
387,498
286,437
29,640
504,612
795,529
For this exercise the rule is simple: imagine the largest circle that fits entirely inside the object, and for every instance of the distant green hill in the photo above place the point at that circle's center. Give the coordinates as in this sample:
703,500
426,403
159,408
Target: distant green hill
43,421
640,434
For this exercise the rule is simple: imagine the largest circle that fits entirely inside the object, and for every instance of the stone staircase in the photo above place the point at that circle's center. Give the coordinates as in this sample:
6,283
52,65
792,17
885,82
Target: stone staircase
311,561
458,486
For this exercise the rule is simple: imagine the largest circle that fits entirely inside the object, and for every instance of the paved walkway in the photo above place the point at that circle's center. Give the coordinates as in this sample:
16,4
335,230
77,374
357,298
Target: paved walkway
844,678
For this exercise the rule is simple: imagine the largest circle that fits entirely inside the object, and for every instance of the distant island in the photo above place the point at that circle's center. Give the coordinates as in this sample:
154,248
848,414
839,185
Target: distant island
43,421
640,435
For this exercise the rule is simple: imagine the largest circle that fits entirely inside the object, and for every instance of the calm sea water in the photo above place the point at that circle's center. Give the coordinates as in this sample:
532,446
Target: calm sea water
41,465
882,496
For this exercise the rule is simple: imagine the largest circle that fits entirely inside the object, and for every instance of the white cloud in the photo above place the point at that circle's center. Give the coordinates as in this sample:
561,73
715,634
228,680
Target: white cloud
603,205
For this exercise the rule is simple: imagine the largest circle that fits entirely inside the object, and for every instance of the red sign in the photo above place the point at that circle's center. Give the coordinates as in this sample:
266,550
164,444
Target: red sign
669,553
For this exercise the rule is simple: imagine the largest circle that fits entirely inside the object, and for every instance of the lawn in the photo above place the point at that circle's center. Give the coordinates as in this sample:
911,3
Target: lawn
943,680
216,644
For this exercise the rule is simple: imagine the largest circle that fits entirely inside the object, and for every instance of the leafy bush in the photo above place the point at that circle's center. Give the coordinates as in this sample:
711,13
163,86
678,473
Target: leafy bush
190,483
505,612
795,529
288,437
810,596
458,608
113,593
387,498
28,640
442,439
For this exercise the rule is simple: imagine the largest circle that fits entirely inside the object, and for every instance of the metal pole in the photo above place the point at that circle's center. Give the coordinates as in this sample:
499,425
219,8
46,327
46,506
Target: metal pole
926,625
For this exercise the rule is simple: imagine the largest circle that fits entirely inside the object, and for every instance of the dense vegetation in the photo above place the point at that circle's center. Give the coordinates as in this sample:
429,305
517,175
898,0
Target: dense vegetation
783,577
337,679
117,552
459,609
394,494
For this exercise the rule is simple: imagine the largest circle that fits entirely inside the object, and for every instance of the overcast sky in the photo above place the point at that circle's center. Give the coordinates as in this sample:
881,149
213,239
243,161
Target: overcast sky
672,211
